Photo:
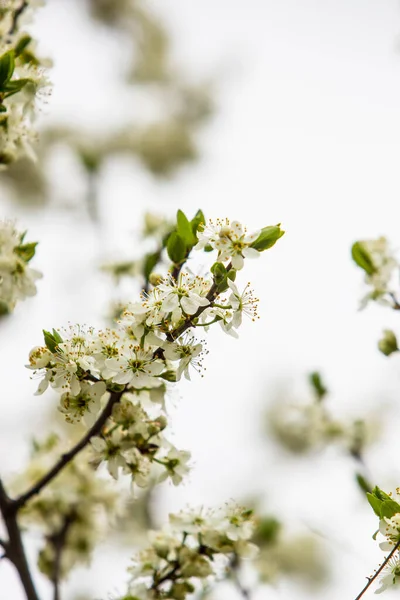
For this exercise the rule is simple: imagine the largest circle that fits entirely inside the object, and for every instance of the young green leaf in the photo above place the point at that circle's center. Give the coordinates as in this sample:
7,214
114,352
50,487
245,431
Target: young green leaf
22,43
13,87
382,504
7,66
176,248
362,258
197,221
150,261
26,251
267,238
184,229
50,340
220,273
363,484
318,385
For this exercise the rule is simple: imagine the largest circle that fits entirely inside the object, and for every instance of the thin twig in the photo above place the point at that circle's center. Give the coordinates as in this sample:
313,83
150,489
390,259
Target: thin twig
68,456
14,547
16,16
58,542
244,592
383,565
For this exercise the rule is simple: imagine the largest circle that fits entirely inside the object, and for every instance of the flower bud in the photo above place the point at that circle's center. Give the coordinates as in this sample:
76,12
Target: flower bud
388,344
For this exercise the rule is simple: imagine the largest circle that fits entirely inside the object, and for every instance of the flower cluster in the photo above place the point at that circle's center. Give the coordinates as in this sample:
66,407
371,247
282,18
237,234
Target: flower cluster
377,259
133,442
17,278
129,369
191,551
298,555
387,508
72,512
231,240
302,427
22,82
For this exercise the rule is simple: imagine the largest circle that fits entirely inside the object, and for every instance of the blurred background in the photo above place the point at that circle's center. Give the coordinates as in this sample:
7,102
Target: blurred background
264,112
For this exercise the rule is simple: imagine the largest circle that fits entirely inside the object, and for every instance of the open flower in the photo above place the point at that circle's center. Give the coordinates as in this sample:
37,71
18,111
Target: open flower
390,575
187,351
390,528
85,405
181,297
242,303
176,465
109,449
134,367
230,240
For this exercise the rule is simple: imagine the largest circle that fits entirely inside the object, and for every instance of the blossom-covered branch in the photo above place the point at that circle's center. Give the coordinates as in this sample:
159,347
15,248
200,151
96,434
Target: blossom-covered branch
23,81
17,278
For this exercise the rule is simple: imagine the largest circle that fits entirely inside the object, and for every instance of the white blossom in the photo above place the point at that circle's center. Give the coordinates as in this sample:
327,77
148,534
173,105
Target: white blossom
85,405
135,367
390,575
242,303
231,240
17,278
187,352
181,297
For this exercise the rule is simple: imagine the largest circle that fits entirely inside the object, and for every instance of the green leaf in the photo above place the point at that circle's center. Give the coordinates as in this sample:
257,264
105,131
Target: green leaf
363,484
57,337
22,44
318,385
375,503
150,261
184,229
383,505
219,272
169,376
267,531
176,248
198,219
52,340
13,87
389,508
3,108
362,258
7,66
388,344
267,238
26,251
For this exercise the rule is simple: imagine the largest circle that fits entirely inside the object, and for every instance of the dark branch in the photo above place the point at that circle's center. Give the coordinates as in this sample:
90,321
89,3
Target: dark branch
68,456
14,549
383,565
58,542
244,592
16,16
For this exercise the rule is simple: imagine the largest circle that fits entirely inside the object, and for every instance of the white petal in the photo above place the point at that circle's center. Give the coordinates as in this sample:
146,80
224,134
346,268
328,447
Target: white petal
250,253
237,261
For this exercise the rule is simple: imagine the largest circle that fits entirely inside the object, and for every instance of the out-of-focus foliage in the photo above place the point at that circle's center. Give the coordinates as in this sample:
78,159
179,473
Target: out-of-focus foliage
162,144
305,426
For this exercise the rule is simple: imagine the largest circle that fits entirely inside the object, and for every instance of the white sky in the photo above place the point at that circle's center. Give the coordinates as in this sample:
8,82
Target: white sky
307,133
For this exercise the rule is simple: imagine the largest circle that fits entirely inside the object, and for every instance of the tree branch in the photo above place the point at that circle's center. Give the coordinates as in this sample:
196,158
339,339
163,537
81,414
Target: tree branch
58,542
383,565
16,16
68,456
14,549
244,592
